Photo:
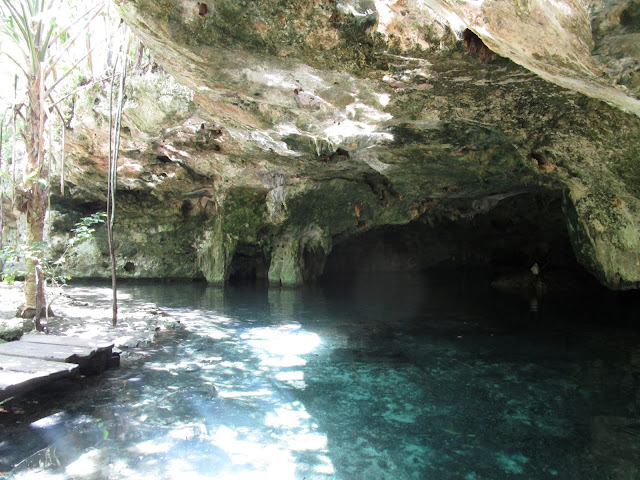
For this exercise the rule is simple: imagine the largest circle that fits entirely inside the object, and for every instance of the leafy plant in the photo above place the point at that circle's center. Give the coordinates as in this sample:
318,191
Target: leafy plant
84,229
14,256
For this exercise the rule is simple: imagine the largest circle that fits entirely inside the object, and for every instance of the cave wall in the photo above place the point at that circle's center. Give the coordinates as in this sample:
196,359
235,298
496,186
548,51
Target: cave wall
293,126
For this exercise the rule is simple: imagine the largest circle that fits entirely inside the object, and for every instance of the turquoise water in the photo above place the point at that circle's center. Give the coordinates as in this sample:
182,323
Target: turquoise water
385,377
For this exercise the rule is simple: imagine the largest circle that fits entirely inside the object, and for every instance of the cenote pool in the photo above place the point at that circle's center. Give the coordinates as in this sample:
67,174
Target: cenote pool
372,377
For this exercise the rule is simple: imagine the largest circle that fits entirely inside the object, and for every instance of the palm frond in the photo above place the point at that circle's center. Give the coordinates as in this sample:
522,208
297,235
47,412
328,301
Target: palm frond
18,64
17,19
69,43
28,38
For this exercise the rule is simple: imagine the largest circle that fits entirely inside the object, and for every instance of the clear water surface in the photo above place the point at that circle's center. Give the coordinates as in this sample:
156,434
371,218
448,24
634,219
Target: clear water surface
371,377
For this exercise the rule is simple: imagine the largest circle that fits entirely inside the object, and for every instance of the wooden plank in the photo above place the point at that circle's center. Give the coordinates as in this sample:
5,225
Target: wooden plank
62,340
55,353
34,365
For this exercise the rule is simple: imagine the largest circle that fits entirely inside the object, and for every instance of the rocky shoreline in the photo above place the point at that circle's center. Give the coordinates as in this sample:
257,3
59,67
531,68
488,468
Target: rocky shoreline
74,315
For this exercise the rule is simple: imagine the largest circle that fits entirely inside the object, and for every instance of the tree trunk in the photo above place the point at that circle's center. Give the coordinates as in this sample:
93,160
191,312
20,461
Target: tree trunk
37,192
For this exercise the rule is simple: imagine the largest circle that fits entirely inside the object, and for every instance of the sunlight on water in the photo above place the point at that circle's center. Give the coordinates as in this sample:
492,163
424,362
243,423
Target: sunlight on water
282,346
377,384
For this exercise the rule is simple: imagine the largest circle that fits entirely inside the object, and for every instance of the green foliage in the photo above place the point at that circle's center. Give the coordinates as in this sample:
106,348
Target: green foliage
84,229
25,22
13,256
10,272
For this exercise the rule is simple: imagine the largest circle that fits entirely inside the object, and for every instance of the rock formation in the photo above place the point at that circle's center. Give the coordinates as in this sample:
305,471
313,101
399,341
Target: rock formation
296,127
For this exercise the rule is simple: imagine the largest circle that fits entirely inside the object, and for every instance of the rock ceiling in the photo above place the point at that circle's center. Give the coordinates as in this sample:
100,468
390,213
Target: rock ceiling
294,122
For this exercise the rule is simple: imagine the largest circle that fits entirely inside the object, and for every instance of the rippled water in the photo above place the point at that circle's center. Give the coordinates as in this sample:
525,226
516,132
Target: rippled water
392,377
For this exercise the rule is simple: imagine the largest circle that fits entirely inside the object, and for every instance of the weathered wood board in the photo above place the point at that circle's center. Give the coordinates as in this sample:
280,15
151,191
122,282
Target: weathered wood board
43,351
18,374
36,360
62,340
33,365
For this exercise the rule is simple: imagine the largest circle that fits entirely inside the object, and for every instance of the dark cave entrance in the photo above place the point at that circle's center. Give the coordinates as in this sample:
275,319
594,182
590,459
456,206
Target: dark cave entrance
313,262
502,235
247,265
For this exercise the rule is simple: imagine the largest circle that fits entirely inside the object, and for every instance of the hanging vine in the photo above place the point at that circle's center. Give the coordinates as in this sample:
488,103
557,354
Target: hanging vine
114,147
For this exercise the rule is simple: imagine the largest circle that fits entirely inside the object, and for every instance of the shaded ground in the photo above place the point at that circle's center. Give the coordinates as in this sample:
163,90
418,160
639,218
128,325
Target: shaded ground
138,322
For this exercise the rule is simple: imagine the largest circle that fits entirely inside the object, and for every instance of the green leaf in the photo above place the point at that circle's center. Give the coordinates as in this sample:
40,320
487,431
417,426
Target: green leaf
32,175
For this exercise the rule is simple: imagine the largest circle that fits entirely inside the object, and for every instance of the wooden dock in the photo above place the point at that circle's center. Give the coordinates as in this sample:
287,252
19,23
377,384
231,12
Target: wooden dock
37,360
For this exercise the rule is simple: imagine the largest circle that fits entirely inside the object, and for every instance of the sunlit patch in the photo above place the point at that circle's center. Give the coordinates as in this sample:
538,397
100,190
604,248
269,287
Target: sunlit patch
50,421
371,159
119,469
174,368
564,7
285,129
350,10
85,465
123,340
290,376
236,365
211,359
283,361
238,394
265,460
370,113
175,151
325,468
262,139
188,431
350,128
383,98
286,417
283,340
162,367
276,80
455,22
207,325
385,15
152,446
180,468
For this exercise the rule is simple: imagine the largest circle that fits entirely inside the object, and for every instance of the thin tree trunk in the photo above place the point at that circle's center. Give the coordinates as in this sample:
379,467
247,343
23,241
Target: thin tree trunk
110,205
114,147
64,143
13,142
